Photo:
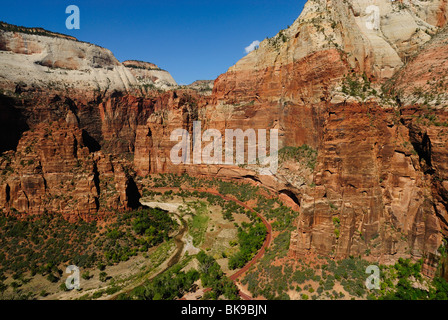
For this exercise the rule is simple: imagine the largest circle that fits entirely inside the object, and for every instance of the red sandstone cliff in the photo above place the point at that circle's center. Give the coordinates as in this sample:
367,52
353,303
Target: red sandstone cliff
378,188
372,192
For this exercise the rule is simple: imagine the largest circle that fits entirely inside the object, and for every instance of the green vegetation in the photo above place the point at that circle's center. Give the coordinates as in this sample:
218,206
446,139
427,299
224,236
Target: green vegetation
36,31
86,275
398,282
242,192
199,223
251,238
356,86
304,154
271,208
170,285
267,279
134,66
272,280
42,245
351,273
46,244
429,117
152,223
174,283
337,225
359,86
213,277
278,40
402,281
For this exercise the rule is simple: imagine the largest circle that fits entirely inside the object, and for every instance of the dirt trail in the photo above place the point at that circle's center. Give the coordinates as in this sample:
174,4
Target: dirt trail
173,259
180,243
260,253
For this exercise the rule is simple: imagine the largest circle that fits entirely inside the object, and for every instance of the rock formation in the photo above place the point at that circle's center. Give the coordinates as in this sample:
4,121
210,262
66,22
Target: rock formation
148,74
204,87
44,62
361,83
53,170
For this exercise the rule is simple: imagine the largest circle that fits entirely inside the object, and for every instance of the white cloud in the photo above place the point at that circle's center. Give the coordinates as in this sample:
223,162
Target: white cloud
252,46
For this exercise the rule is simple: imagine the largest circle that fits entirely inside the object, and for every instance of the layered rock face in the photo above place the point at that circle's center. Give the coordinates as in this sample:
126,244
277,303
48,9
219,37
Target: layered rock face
424,80
422,88
148,74
375,38
203,86
378,188
49,62
68,125
76,153
52,170
372,195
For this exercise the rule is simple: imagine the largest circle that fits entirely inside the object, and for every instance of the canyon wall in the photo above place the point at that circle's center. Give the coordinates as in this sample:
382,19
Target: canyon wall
37,60
368,94
148,74
49,63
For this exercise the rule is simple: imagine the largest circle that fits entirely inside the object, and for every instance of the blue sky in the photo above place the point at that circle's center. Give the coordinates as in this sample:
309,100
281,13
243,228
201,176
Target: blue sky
192,39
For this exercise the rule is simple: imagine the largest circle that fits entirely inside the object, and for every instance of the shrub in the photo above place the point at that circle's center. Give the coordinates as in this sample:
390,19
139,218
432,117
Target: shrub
103,276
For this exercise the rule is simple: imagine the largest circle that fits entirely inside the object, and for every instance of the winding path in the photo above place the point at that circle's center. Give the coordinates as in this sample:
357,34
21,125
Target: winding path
260,253
164,266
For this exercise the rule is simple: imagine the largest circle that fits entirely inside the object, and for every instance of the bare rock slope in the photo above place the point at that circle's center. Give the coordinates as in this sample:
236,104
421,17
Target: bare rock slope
148,74
36,59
